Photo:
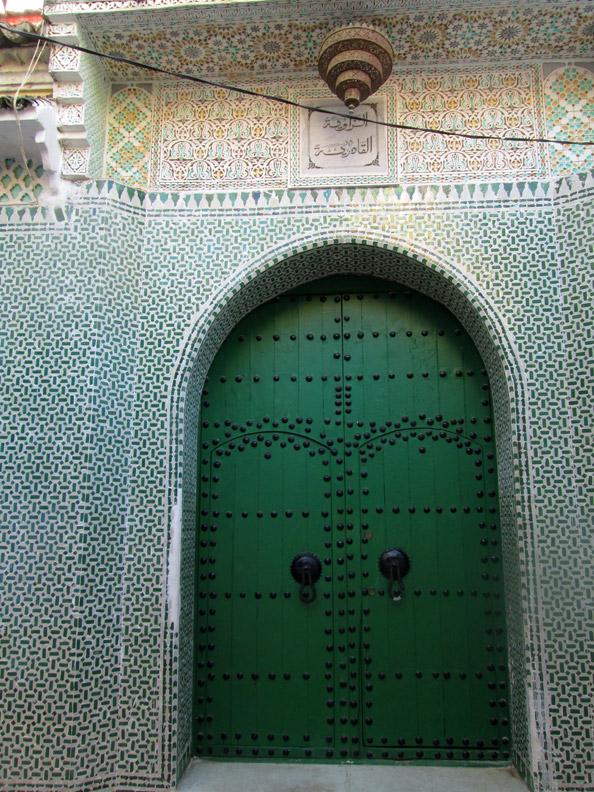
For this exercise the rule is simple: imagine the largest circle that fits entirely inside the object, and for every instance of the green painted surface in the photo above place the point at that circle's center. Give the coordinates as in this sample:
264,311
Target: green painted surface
344,423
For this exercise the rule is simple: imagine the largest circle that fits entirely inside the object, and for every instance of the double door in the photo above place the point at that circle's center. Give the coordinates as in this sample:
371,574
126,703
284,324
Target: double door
349,583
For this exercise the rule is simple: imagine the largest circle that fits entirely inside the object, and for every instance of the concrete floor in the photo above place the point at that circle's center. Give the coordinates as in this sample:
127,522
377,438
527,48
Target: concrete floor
204,776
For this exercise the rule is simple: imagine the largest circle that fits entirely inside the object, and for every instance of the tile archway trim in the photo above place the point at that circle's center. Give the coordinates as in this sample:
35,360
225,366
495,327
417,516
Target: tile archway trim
286,267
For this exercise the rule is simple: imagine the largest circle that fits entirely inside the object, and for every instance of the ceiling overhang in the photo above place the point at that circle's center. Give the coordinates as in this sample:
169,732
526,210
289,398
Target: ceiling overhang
243,40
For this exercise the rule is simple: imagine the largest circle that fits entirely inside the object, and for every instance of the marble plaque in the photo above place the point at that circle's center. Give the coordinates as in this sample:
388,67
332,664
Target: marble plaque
334,145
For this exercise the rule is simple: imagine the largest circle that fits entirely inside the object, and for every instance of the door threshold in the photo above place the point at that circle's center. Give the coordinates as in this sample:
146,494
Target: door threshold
220,776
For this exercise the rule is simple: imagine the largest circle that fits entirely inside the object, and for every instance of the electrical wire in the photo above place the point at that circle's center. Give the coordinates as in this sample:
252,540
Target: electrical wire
282,100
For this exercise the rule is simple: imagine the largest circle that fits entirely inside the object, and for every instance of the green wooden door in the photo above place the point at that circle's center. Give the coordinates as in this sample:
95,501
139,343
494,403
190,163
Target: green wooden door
344,422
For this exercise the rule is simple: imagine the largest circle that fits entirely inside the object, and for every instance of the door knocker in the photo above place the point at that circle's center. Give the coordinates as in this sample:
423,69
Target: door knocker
394,564
306,568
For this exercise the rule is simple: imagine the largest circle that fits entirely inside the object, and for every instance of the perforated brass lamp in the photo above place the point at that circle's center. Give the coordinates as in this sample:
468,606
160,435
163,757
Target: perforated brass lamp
355,61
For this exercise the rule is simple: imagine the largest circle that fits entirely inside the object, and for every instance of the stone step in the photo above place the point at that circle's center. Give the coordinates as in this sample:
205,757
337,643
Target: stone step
213,776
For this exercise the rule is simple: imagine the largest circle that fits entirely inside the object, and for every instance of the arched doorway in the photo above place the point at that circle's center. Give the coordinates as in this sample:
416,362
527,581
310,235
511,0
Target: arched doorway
346,419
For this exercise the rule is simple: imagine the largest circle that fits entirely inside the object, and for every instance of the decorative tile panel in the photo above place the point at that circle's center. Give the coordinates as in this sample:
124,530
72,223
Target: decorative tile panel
569,104
65,68
71,117
211,137
239,42
129,134
68,93
64,62
81,90
75,163
19,184
501,102
240,9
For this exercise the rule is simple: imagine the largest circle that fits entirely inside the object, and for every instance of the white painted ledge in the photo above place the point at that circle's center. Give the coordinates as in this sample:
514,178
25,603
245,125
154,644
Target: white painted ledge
204,776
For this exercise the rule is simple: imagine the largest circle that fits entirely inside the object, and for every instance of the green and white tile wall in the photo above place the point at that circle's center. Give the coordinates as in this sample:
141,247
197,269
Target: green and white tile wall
66,425
572,683
113,306
96,93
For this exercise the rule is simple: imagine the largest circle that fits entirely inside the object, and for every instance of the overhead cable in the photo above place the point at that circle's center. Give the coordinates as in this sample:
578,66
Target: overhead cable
291,103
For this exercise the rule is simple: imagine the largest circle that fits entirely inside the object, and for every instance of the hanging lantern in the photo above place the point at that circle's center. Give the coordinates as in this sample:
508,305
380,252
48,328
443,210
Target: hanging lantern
355,61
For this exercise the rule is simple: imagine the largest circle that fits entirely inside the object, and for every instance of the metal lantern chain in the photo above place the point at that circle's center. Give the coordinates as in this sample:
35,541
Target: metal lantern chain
355,61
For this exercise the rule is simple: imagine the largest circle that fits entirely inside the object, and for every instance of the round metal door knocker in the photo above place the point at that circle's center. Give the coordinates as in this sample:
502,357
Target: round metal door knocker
306,569
394,564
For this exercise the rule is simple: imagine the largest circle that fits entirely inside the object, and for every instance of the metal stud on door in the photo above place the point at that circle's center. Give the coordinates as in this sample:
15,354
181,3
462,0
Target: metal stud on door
340,452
